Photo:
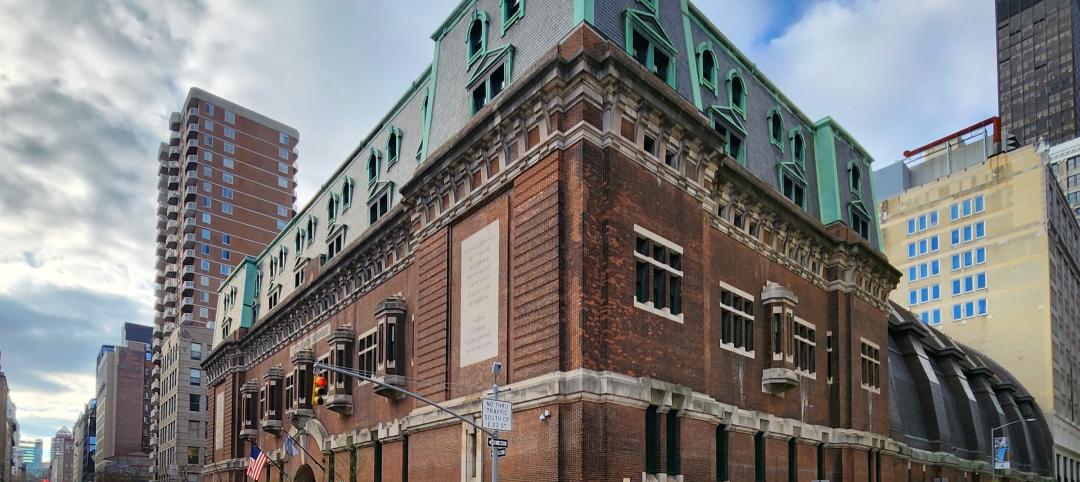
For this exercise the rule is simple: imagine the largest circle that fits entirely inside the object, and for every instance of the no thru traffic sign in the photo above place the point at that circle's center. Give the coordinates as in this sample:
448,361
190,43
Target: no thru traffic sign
496,415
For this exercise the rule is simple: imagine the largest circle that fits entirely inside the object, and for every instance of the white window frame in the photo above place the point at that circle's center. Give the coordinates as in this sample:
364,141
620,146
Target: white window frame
656,238
731,346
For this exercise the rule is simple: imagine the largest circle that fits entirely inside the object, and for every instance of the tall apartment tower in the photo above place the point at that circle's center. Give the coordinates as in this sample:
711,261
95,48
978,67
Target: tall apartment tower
122,431
227,186
1037,75
62,456
988,248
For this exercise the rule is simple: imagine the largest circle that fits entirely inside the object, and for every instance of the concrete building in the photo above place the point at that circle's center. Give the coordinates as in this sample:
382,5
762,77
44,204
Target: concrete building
1065,164
227,186
988,250
1037,74
678,270
62,456
84,440
122,431
7,429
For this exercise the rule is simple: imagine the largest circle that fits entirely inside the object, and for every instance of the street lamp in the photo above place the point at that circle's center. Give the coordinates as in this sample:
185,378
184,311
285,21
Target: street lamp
991,442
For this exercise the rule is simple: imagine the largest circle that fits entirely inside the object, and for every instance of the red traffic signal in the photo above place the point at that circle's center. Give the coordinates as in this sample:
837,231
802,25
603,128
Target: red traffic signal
318,390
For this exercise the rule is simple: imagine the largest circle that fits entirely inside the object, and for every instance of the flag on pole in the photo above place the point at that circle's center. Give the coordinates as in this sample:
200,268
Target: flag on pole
257,462
290,446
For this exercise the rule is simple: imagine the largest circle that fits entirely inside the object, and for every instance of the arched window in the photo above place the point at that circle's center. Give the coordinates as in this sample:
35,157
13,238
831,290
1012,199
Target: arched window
332,207
373,166
855,177
707,67
776,127
512,10
347,192
477,39
798,149
736,92
393,145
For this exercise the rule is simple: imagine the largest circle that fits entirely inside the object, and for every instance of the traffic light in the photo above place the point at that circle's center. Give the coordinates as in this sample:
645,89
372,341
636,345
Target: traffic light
318,390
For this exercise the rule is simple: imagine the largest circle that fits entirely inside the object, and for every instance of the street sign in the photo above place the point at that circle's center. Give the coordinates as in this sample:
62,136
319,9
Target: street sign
500,452
498,442
496,415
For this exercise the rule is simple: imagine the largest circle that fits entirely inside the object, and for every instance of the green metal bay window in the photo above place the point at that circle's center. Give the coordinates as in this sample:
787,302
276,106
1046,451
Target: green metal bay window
647,42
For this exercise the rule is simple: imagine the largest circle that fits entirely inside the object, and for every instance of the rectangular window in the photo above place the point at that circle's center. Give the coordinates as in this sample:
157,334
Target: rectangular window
980,255
226,208
955,237
283,138
722,453
954,212
225,270
967,233
934,243
209,108
207,202
924,271
955,287
226,239
924,294
230,116
911,226
922,222
208,125
283,168
206,218
204,265
283,153
969,309
208,141
367,350
935,268
980,230
805,348
911,250
290,391
281,224
913,297
208,156
227,192
227,178
204,280
936,316
229,132
871,366
207,187
955,262
759,456
193,456
283,182
204,312
935,292
911,274
980,281
659,274
229,148
204,297
966,209
923,247
207,172
736,320
194,402
652,440
228,162
981,302
196,351
195,377
933,219
969,284
967,259
204,249
282,211
226,254
979,204
956,315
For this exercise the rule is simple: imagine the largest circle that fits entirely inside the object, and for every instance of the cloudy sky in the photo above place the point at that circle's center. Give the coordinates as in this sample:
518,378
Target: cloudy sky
86,88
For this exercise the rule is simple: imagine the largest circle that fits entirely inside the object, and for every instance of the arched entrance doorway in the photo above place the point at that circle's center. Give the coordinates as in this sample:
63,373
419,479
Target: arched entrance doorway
304,474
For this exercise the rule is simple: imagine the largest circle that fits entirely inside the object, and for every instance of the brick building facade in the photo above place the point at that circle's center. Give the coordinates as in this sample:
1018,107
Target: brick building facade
671,294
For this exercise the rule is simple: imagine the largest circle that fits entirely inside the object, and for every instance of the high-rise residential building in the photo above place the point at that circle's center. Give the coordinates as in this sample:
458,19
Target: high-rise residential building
677,269
84,439
1037,75
7,435
227,187
62,456
989,249
122,431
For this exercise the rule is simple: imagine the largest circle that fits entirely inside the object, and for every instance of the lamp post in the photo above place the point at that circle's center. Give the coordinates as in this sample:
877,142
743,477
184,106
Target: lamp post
993,459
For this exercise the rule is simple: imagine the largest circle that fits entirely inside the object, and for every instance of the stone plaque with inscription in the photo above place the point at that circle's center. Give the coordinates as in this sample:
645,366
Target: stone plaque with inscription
479,302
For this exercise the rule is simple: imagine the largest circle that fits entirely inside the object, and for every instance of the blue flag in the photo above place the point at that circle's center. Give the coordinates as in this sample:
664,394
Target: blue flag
290,447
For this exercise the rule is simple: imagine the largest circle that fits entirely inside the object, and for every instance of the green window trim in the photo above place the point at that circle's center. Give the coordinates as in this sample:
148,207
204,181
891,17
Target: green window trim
508,18
798,147
373,166
648,26
482,76
738,105
855,187
776,132
729,126
393,146
708,77
347,193
797,174
856,209
480,18
333,205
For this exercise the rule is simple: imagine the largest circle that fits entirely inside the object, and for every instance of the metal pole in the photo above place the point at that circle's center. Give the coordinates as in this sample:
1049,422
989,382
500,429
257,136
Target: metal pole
494,449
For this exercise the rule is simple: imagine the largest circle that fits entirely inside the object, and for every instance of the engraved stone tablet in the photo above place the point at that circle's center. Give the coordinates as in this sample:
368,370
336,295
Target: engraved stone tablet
480,296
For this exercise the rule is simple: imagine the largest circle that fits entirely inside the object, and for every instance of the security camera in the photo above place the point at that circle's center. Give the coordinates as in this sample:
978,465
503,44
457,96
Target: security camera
496,368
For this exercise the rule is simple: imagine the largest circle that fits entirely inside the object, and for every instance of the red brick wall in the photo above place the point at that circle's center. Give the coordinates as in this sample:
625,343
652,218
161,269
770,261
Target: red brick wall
429,331
435,454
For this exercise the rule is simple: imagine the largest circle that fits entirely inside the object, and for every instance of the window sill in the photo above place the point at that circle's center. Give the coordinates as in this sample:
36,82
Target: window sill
870,389
507,23
665,313
732,348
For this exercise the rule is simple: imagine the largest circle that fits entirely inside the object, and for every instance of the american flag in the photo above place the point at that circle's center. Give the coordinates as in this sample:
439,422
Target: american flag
258,461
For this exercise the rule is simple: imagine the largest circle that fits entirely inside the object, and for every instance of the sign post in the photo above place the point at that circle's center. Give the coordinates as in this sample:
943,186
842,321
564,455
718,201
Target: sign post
496,415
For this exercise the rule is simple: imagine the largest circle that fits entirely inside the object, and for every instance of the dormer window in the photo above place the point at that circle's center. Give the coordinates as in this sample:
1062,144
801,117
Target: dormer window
299,240
798,149
477,39
512,10
373,166
707,71
309,233
776,128
855,178
736,92
393,145
346,193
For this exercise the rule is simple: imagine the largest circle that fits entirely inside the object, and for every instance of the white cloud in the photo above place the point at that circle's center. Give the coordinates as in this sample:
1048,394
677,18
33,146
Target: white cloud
896,73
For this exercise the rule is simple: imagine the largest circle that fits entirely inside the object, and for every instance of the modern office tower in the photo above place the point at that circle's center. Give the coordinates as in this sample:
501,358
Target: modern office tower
84,439
1065,164
677,269
1037,75
227,187
62,456
30,456
989,250
122,431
